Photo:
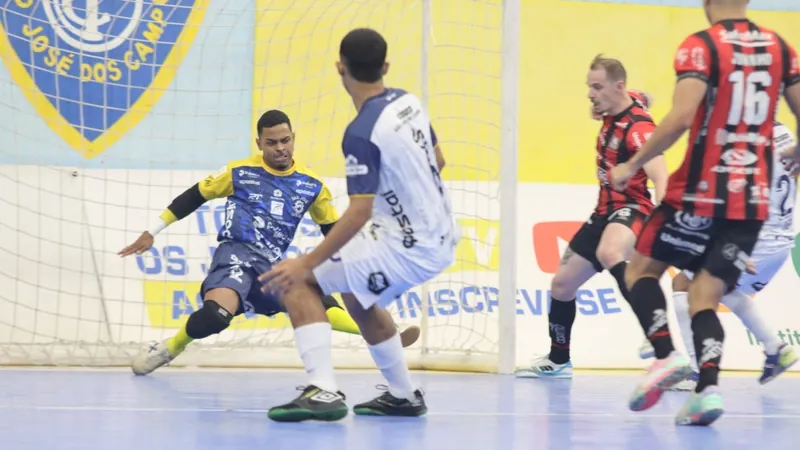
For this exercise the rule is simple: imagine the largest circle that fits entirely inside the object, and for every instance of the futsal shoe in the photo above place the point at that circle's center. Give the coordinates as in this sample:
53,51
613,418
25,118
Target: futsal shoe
387,404
151,358
544,368
646,350
778,363
688,384
661,376
313,404
701,409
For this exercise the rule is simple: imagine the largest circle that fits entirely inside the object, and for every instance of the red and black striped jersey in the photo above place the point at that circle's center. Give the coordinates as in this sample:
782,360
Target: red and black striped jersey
620,137
727,169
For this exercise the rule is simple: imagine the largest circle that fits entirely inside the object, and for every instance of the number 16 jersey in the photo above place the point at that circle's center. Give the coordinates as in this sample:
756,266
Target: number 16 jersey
389,154
727,170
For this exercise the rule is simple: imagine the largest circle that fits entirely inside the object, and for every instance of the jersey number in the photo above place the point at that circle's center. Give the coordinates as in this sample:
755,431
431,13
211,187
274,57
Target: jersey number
750,102
785,186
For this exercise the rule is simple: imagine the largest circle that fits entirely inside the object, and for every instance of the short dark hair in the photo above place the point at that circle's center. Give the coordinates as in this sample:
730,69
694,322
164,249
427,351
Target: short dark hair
613,67
363,52
272,118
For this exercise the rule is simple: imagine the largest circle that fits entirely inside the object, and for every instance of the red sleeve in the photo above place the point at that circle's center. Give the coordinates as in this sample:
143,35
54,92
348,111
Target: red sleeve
693,59
793,76
639,134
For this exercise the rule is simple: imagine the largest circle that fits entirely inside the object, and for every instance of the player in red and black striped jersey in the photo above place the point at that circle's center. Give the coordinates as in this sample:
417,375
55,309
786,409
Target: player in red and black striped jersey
730,78
606,240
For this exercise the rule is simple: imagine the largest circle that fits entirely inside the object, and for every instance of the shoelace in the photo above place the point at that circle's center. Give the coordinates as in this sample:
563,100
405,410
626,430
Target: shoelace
304,388
385,388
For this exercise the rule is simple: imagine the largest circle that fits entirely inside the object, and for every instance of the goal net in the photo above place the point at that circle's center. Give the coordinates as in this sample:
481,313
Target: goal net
109,109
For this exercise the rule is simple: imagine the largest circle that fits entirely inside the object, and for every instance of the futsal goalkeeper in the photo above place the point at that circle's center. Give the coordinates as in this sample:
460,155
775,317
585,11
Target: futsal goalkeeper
267,197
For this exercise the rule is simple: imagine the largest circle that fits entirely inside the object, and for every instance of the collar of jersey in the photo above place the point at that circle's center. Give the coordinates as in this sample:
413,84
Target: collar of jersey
376,96
277,173
619,116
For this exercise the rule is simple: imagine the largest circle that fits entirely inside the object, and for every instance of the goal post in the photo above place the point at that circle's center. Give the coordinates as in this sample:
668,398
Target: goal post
95,148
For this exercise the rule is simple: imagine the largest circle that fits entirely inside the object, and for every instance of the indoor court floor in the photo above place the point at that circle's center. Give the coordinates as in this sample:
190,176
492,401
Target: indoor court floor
60,409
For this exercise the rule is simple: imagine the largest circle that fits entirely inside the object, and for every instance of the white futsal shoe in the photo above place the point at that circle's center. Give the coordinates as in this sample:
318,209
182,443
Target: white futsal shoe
151,358
646,350
544,368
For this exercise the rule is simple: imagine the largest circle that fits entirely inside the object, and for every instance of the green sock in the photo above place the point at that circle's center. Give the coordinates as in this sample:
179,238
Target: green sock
177,343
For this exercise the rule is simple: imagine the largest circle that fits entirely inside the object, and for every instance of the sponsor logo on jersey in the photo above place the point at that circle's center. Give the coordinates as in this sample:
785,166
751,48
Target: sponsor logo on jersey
308,184
403,221
93,69
353,168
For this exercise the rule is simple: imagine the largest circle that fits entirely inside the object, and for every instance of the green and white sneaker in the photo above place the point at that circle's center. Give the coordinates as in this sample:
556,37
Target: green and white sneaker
701,409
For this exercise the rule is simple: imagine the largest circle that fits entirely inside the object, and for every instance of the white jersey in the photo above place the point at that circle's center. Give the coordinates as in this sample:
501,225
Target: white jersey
389,153
778,229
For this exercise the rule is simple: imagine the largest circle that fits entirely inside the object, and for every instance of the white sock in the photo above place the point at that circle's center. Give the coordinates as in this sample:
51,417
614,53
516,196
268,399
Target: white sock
314,344
744,308
388,356
681,302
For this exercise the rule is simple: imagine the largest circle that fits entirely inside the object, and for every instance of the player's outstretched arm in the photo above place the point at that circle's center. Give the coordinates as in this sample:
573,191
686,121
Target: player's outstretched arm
216,185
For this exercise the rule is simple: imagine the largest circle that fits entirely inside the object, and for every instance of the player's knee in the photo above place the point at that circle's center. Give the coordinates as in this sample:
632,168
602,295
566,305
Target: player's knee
639,267
680,283
609,256
562,288
208,320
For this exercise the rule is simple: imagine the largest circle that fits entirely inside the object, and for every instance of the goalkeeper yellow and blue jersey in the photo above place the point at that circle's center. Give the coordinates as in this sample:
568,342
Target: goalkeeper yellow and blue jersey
265,206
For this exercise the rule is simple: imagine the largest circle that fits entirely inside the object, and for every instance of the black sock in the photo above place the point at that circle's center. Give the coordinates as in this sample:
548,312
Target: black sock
708,339
618,272
648,302
562,316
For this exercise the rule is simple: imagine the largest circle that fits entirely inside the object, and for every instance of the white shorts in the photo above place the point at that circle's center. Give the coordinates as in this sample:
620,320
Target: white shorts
374,271
768,262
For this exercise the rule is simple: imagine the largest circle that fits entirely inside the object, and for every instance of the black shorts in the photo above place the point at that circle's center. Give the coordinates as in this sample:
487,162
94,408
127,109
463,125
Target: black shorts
720,246
236,266
587,239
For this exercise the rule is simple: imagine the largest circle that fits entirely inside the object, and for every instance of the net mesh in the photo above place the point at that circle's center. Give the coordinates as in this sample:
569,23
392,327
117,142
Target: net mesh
110,109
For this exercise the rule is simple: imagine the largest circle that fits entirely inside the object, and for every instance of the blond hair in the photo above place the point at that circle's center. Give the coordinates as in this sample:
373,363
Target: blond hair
613,67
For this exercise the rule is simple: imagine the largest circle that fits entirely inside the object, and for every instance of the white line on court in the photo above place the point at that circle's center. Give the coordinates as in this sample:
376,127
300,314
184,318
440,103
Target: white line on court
441,414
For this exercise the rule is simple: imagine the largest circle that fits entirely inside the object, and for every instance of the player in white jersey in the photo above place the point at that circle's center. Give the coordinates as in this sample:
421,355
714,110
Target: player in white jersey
392,163
775,243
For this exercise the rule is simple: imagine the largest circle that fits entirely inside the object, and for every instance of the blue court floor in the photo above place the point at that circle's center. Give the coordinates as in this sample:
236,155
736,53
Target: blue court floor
220,410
